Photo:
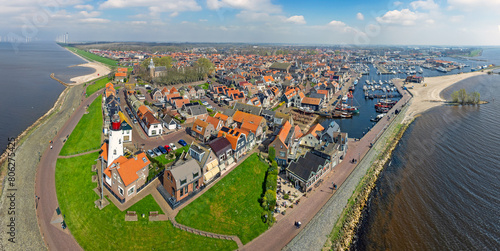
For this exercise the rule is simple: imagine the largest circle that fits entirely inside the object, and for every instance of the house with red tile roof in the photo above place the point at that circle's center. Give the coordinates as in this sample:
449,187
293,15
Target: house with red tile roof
217,123
237,138
202,130
125,175
226,120
120,76
282,143
311,137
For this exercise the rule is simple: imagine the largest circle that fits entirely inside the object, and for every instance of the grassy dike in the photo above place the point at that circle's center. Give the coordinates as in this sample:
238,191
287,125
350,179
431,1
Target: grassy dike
344,230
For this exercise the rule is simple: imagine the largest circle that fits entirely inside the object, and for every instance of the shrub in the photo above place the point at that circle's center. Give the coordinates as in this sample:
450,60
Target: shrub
286,196
272,153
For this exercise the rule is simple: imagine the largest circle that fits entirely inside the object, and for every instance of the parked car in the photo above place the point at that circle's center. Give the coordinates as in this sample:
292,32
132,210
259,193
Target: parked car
173,147
157,152
168,148
182,142
162,149
205,102
151,153
135,121
210,106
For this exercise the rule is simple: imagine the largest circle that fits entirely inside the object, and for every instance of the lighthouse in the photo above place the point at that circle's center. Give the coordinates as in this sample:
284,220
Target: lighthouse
115,144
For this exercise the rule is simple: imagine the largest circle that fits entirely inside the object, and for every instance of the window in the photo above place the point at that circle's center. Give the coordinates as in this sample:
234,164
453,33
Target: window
186,189
182,192
120,190
282,153
114,176
131,190
199,128
196,174
183,182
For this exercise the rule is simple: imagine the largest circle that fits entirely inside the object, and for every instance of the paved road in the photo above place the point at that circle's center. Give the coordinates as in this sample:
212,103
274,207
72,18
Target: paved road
55,239
284,231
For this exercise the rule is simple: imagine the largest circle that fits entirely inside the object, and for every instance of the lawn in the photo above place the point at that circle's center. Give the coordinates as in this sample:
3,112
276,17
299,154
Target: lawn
99,84
106,229
204,86
87,134
93,57
232,205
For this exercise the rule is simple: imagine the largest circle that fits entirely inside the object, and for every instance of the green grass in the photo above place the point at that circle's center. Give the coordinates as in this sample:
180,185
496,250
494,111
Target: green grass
204,86
99,84
93,57
232,204
87,134
106,229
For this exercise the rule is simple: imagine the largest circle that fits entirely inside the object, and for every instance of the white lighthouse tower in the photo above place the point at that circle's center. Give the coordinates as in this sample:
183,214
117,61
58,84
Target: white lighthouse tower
115,144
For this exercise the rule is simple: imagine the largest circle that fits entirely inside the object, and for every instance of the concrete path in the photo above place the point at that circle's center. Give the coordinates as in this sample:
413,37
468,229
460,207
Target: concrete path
80,154
45,184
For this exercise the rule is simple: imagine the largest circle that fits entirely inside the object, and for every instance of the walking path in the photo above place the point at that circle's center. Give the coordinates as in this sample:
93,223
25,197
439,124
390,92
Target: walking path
207,234
45,185
80,154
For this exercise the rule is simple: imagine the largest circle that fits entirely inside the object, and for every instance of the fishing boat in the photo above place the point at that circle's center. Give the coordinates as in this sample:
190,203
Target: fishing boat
377,118
355,82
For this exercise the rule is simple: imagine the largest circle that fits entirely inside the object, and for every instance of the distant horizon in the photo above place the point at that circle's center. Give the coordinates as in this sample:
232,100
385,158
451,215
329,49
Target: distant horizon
356,22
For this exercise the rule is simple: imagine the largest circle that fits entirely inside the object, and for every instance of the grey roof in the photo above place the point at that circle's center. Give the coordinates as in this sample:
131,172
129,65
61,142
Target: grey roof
280,66
255,110
160,68
229,112
197,110
304,166
332,130
185,171
269,113
317,95
168,119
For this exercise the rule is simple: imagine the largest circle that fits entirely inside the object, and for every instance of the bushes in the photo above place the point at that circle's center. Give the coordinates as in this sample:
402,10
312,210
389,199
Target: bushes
272,153
268,201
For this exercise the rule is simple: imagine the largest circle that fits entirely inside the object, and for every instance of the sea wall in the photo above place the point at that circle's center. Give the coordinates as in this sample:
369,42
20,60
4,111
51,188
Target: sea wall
345,229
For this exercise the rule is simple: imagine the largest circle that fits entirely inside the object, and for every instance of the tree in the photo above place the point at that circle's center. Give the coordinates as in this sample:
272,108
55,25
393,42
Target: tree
272,153
454,97
462,96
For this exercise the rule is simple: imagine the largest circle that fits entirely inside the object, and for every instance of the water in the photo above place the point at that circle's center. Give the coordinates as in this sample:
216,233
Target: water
27,90
441,190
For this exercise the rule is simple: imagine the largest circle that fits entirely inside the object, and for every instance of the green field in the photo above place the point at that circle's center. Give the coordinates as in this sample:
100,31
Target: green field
204,86
106,229
98,84
232,205
93,57
87,134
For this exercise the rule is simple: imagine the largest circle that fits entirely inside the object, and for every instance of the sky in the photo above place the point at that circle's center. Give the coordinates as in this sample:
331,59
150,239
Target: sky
354,22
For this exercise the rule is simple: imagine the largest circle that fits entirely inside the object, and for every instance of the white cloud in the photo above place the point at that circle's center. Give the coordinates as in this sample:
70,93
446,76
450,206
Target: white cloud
456,19
360,16
251,5
84,7
424,5
155,6
296,20
86,14
174,14
138,22
95,20
498,27
337,23
468,5
203,20
397,3
401,17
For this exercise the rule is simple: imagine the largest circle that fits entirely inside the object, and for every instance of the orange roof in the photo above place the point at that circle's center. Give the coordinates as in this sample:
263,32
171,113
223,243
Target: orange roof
322,92
230,136
268,78
169,96
301,95
221,116
202,124
311,101
250,127
180,102
128,168
298,132
142,110
104,153
241,117
284,131
214,121
314,129
122,69
120,74
173,90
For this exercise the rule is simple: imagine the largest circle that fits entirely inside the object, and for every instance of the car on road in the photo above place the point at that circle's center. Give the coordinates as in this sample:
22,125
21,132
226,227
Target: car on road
162,149
173,147
156,151
209,107
168,148
151,153
205,102
182,142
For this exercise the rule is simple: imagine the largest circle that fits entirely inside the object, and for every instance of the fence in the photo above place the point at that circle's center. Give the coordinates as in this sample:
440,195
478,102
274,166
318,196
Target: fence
151,180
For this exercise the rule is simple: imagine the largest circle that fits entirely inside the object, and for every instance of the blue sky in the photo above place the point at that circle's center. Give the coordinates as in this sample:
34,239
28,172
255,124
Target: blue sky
420,22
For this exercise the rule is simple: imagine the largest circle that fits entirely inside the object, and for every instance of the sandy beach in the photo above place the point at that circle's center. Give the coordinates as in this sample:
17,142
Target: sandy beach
427,97
100,70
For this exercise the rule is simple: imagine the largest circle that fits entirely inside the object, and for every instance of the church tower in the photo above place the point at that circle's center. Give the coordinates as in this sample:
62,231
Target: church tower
115,145
152,68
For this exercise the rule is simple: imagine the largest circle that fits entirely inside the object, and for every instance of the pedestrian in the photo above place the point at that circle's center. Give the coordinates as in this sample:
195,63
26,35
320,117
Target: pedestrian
50,147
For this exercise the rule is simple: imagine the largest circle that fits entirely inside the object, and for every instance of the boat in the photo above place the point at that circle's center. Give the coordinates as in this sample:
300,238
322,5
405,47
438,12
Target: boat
351,88
377,118
355,82
344,98
441,69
